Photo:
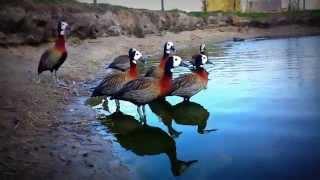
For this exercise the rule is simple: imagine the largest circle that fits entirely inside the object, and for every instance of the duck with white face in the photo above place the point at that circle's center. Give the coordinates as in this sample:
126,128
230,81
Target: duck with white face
112,83
52,59
158,71
146,89
121,63
188,85
202,51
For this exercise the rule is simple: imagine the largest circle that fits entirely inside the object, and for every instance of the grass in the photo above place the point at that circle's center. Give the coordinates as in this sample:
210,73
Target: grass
201,14
315,13
251,15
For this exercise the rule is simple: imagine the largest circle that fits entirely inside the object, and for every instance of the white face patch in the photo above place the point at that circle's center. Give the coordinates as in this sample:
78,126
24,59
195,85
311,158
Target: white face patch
169,46
64,25
176,61
204,59
137,55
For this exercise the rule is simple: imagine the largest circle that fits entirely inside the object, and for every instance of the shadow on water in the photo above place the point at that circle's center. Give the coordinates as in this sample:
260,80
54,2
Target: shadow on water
184,113
143,139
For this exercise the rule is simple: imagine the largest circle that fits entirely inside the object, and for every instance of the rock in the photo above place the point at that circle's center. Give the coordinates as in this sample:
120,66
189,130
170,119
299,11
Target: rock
239,21
10,18
114,30
237,39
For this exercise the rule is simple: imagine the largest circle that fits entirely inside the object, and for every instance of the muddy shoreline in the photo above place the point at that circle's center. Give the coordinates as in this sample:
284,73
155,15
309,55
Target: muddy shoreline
48,132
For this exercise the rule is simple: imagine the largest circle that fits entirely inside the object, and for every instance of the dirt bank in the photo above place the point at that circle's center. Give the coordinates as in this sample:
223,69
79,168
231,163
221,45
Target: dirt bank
47,132
35,21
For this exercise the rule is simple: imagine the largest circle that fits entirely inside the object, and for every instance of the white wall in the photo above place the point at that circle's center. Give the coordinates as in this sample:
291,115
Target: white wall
186,5
309,4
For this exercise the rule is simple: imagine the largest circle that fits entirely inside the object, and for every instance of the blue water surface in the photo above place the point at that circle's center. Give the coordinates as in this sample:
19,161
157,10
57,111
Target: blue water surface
259,118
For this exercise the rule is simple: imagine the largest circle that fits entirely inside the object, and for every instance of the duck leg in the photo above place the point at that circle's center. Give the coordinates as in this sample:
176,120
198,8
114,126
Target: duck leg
117,104
56,77
58,81
144,114
53,77
38,80
140,113
105,104
174,133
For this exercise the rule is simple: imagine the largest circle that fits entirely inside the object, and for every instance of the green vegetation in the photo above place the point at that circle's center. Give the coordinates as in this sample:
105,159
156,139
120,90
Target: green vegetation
200,14
252,15
315,13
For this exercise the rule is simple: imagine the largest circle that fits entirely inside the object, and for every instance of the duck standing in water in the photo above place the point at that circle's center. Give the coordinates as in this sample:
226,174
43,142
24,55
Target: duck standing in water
190,84
53,58
146,89
112,83
159,70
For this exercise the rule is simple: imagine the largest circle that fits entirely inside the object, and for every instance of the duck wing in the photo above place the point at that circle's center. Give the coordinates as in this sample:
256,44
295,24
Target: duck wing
51,59
110,84
186,85
121,63
139,91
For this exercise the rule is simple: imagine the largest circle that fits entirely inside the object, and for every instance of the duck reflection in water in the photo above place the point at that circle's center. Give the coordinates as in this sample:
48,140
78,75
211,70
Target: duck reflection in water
192,114
145,140
184,113
163,109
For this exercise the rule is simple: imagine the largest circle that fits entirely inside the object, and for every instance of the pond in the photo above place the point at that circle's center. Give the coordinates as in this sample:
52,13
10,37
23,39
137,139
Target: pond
258,118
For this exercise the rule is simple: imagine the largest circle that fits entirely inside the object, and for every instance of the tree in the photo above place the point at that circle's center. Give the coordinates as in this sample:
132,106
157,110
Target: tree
204,5
162,5
94,2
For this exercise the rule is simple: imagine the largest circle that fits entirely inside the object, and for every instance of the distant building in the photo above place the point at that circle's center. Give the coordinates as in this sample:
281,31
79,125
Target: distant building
223,5
300,4
261,5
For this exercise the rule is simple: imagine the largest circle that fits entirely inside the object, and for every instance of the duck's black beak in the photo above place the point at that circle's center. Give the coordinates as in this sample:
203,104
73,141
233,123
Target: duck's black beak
144,59
209,62
185,63
173,49
68,30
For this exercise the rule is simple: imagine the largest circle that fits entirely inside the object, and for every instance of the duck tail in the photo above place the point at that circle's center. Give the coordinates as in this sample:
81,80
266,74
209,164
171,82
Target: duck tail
96,92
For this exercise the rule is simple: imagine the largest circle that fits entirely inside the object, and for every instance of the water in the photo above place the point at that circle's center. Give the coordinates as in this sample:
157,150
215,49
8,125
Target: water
259,118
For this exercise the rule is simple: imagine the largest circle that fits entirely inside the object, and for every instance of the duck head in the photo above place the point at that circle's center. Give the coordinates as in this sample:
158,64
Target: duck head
62,27
203,48
168,48
201,60
173,61
134,55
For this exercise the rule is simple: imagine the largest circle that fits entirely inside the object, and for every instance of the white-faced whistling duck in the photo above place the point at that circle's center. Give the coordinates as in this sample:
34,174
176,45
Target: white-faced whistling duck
158,71
190,84
113,82
121,62
146,89
53,58
203,51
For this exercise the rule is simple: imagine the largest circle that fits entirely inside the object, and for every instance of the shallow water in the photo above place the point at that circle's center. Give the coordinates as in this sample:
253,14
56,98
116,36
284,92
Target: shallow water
259,118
